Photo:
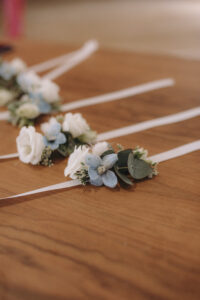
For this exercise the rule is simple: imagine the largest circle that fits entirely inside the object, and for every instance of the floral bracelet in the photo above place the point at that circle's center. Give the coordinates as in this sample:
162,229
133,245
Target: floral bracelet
101,165
89,162
60,136
25,94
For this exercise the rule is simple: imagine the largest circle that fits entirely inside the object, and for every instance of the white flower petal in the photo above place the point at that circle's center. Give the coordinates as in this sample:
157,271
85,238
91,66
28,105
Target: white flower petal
30,145
75,124
100,148
75,160
49,91
29,81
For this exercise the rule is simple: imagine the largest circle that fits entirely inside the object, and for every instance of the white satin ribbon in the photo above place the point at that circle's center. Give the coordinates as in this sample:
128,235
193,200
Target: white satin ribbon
176,152
54,187
51,63
7,156
175,118
136,90
125,93
76,59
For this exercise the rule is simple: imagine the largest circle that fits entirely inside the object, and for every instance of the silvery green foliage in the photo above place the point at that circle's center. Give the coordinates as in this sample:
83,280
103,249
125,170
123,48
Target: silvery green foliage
125,167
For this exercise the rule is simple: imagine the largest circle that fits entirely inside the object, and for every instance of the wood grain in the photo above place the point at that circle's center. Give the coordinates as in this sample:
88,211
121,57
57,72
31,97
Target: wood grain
97,243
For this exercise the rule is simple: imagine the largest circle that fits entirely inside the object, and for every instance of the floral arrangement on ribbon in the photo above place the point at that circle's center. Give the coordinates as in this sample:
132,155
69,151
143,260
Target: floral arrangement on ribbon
89,162
101,165
25,94
61,135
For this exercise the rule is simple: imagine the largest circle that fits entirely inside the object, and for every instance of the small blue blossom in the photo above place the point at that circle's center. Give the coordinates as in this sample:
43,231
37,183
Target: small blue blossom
43,106
53,137
99,172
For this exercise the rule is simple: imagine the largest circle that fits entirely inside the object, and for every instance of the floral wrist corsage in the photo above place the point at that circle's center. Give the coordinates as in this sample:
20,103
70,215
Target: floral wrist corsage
26,95
60,136
101,165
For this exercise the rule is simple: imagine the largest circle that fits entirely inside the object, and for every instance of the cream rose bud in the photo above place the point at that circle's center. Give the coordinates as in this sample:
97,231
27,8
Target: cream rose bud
49,91
5,96
100,148
28,110
75,160
30,145
75,124
18,65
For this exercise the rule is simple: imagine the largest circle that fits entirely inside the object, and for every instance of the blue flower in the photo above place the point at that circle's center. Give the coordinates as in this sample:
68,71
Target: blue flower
43,106
99,172
53,137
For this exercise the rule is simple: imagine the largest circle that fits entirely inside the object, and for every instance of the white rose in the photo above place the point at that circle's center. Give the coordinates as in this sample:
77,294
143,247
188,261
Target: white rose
30,145
49,91
28,110
18,66
75,160
75,124
5,96
100,148
29,81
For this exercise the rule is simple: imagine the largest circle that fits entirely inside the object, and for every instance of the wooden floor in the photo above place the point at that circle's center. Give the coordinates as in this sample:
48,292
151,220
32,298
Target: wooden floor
97,243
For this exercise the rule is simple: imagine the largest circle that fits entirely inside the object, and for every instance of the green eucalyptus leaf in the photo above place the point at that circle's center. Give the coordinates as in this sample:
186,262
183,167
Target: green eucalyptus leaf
124,178
107,152
123,157
63,150
25,122
138,168
67,148
55,106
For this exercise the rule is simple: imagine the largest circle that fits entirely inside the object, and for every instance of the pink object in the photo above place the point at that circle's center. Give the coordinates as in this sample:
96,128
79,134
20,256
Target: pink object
13,11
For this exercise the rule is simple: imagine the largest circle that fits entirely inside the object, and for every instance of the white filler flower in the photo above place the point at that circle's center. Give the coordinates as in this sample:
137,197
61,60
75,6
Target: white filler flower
30,145
75,124
28,110
75,160
144,152
5,96
49,91
100,148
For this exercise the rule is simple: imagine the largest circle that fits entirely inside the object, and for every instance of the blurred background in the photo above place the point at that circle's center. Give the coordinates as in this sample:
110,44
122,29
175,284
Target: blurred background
169,27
